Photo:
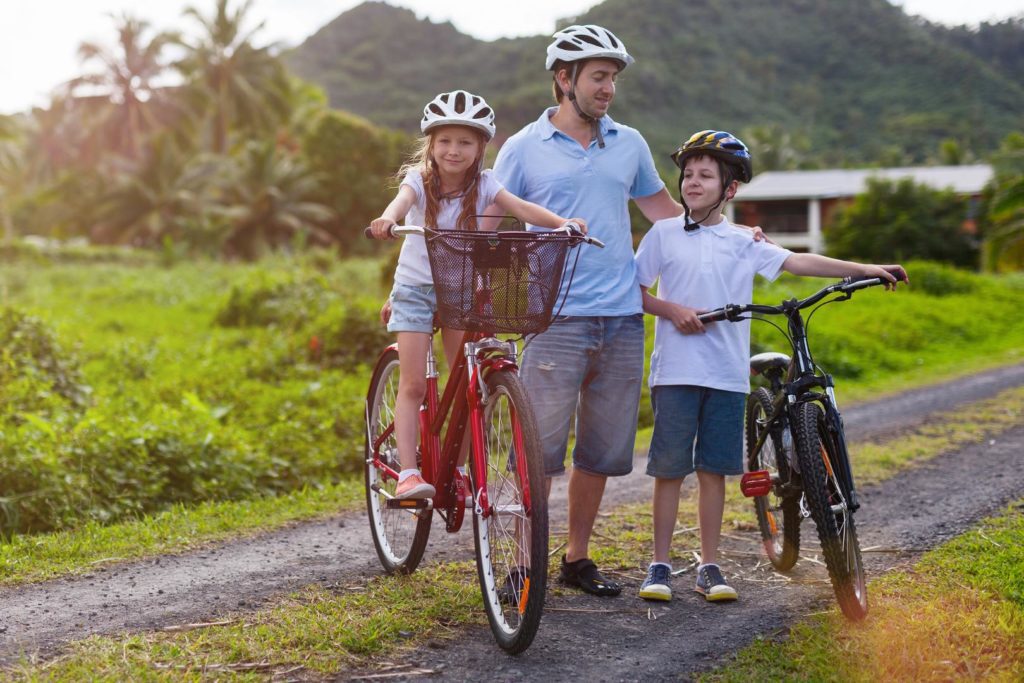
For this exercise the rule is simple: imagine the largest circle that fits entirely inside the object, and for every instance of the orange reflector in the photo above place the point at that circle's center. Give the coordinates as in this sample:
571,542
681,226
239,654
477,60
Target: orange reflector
525,594
828,464
771,523
755,484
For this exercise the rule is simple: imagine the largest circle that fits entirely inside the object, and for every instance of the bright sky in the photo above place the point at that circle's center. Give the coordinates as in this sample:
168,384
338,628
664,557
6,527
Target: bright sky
39,38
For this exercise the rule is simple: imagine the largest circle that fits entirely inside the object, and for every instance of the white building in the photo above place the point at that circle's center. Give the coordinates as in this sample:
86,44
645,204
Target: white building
794,206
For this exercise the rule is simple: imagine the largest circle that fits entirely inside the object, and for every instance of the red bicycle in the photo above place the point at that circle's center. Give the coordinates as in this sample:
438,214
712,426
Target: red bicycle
486,283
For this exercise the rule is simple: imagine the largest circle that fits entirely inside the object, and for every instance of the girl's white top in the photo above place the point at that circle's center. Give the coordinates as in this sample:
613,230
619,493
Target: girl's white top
413,264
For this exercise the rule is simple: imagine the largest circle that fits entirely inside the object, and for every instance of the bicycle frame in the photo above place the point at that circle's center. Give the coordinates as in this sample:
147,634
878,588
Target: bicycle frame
464,399
800,386
802,380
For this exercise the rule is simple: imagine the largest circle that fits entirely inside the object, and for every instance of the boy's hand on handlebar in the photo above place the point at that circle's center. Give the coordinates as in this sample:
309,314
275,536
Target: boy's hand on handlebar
685,319
381,228
892,274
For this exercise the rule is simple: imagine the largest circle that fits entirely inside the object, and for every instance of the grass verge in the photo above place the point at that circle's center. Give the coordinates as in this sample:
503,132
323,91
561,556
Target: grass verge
181,528
957,615
320,630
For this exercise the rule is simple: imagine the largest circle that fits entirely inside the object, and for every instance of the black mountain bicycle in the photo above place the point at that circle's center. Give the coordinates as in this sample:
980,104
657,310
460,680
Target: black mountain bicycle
797,462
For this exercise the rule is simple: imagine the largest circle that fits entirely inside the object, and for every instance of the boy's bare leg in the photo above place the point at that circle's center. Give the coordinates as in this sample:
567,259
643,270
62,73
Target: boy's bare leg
585,492
710,506
665,510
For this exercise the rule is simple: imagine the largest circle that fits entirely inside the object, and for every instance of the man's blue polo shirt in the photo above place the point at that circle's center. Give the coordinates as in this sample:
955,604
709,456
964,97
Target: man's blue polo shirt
547,167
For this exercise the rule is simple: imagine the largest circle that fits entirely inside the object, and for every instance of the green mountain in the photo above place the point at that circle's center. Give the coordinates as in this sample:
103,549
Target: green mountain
854,82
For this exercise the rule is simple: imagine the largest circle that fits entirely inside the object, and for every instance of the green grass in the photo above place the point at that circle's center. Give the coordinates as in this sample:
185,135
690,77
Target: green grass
958,614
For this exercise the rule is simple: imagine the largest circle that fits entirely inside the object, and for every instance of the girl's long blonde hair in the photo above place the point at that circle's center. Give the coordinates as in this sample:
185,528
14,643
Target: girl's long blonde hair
422,160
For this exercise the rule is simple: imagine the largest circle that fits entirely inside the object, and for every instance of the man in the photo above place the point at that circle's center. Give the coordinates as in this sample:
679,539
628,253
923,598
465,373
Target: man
576,161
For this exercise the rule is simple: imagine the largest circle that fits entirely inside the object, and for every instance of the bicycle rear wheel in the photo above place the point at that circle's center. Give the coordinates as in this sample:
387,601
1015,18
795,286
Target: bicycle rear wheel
400,535
829,506
511,535
777,516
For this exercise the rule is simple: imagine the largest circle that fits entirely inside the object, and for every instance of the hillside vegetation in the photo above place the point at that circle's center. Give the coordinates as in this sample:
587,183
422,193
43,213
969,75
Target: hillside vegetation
859,82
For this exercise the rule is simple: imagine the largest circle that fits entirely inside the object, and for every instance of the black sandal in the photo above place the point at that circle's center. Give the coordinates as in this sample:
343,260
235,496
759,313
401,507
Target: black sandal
584,575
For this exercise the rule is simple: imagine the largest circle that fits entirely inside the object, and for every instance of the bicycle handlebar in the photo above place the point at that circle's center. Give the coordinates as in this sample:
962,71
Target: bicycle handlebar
570,229
847,285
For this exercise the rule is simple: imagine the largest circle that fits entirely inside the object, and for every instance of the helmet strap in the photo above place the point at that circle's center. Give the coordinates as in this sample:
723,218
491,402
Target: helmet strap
594,123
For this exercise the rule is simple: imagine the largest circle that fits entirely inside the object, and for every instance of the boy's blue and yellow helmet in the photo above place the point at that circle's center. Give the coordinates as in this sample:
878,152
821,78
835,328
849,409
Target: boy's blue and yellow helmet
721,145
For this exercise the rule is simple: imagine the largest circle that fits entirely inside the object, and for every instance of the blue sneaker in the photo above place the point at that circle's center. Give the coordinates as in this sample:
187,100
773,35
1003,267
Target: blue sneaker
712,585
657,585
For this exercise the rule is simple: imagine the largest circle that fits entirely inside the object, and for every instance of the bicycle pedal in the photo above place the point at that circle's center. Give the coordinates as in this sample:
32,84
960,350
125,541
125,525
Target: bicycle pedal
756,484
408,503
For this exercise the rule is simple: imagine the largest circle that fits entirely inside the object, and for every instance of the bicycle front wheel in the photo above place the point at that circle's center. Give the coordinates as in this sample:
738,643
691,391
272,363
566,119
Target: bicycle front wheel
511,534
400,535
819,458
778,516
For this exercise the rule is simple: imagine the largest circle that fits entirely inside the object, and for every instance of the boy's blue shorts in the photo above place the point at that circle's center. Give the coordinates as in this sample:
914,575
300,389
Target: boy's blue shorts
696,428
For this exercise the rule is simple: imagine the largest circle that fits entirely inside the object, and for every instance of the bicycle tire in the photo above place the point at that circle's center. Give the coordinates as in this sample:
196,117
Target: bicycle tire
778,517
836,530
511,535
400,536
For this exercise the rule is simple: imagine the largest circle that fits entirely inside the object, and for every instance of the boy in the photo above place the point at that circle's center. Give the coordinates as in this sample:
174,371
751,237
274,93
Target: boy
699,375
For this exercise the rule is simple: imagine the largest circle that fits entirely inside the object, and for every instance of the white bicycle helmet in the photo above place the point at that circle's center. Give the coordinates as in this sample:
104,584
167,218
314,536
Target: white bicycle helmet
574,43
458,108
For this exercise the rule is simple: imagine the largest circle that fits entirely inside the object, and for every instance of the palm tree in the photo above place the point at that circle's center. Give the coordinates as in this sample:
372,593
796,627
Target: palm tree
127,83
11,172
248,85
170,196
270,202
1004,234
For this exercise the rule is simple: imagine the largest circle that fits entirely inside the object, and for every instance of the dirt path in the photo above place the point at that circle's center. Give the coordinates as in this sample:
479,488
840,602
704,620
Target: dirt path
242,574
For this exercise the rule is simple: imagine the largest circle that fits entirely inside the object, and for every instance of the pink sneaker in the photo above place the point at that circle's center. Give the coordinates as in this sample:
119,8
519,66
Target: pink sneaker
414,488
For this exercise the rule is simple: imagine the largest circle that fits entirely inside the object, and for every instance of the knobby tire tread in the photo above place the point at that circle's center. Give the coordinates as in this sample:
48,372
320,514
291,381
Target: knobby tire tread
808,441
760,403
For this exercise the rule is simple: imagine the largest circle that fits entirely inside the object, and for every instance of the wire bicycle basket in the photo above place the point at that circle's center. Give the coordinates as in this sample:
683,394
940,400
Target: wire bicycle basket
497,281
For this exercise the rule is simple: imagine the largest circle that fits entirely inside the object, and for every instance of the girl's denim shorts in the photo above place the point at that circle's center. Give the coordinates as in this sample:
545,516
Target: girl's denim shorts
412,308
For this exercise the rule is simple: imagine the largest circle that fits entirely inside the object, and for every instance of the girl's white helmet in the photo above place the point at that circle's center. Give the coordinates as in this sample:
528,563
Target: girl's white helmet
574,43
458,108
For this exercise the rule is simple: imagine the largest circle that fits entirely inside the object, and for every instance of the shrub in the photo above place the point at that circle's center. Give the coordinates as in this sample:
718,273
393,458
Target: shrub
893,222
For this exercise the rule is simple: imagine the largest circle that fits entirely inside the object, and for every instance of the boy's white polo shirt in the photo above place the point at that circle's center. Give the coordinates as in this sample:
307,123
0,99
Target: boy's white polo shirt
704,269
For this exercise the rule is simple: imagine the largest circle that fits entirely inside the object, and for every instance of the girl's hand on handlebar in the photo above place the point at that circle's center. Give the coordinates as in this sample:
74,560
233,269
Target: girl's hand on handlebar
385,311
578,223
685,319
381,228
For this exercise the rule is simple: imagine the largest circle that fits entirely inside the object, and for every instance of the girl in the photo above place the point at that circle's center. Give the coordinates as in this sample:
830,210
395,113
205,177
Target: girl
444,187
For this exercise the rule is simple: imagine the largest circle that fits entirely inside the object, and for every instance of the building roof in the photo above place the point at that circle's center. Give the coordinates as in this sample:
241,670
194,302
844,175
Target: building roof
850,182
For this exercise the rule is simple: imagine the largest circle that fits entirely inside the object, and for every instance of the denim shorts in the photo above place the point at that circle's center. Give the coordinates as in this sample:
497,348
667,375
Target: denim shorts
696,428
590,367
412,308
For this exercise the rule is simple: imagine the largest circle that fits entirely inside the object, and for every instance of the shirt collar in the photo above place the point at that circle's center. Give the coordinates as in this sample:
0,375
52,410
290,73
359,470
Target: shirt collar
718,229
547,129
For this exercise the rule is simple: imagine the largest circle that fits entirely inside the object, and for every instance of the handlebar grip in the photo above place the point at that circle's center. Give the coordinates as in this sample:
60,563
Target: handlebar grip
714,316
